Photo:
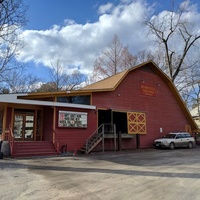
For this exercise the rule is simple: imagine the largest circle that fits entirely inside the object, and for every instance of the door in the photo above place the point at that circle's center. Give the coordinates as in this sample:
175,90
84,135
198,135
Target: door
136,123
24,126
182,140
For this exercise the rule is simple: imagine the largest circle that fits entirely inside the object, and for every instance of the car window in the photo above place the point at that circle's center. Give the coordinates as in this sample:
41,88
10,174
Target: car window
183,135
179,136
170,136
187,135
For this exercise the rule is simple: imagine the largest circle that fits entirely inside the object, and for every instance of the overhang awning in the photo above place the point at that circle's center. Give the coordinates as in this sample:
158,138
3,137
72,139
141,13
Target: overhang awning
12,98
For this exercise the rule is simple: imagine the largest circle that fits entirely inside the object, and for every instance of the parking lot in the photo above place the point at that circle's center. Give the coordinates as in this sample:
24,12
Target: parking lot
128,175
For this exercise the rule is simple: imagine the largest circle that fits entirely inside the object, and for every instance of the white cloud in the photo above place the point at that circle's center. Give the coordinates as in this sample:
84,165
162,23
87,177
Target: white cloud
187,6
105,8
78,45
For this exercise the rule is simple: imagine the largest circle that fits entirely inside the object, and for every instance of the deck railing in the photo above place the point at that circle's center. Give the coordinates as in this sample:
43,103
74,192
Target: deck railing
94,137
100,133
9,136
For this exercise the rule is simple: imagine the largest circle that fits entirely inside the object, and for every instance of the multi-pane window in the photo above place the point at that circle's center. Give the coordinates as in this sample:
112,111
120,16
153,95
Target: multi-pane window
85,99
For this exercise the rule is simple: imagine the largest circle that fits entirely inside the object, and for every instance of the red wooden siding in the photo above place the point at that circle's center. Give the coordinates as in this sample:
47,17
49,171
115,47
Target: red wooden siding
48,123
127,144
76,137
9,117
162,109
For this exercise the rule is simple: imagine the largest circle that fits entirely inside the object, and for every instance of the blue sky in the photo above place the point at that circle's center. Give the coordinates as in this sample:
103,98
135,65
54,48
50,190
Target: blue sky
75,32
43,14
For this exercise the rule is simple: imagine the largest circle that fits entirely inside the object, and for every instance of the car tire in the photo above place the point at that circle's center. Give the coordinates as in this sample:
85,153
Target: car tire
171,146
190,145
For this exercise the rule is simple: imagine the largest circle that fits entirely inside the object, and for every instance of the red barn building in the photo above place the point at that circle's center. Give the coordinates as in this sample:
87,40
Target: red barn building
126,111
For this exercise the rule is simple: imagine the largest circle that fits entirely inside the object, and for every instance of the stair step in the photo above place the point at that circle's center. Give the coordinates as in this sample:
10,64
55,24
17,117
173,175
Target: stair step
96,137
34,154
30,149
91,146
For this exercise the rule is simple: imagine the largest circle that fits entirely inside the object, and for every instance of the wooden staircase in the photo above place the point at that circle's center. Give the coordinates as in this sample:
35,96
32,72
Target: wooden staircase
96,138
33,148
91,144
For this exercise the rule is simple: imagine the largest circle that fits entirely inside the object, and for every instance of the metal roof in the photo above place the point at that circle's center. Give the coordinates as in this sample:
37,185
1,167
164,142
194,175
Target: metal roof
107,84
13,98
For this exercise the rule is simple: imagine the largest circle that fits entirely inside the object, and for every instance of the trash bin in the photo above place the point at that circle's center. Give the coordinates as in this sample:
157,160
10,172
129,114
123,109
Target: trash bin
1,153
64,148
0,144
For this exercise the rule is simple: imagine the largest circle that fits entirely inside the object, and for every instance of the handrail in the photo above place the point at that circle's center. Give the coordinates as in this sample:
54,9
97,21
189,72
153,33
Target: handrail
106,124
11,141
56,143
94,132
9,136
97,134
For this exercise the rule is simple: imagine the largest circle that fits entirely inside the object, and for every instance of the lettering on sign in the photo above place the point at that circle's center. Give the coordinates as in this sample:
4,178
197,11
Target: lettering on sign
148,90
72,119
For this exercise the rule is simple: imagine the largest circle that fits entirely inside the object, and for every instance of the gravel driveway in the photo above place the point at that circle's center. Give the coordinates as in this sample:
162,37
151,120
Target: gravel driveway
132,175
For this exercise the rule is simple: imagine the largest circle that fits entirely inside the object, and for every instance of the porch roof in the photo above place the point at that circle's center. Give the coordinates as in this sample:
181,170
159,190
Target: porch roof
13,98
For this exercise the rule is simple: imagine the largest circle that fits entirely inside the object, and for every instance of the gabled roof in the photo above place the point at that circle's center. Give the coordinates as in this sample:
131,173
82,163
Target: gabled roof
111,83
107,84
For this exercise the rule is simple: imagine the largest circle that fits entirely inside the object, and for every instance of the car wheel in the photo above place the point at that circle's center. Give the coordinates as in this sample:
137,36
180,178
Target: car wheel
171,145
190,145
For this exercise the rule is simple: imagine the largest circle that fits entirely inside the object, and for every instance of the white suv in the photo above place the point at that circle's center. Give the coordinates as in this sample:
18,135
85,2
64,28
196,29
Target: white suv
173,140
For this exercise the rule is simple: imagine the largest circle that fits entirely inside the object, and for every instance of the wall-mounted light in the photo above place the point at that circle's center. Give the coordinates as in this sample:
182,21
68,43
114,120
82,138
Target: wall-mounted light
158,84
118,95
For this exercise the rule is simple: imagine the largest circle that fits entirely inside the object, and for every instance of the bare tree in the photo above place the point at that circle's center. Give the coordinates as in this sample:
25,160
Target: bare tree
143,56
194,98
169,29
75,80
60,80
12,19
47,87
128,59
57,76
17,81
114,59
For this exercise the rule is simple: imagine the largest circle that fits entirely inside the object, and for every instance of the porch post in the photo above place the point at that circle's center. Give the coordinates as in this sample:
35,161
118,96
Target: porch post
54,123
115,138
4,122
103,138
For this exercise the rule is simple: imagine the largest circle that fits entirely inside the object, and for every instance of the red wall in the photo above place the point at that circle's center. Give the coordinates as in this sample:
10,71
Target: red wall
9,117
162,110
48,123
109,144
75,137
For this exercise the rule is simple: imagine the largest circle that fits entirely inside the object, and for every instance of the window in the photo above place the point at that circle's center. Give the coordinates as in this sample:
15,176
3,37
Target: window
179,136
186,135
85,99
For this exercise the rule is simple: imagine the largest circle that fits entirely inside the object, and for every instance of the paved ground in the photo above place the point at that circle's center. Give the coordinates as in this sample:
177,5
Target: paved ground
138,175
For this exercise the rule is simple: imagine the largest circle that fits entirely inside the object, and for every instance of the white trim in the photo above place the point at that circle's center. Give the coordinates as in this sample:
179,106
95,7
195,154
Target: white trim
12,98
